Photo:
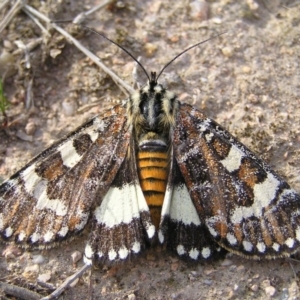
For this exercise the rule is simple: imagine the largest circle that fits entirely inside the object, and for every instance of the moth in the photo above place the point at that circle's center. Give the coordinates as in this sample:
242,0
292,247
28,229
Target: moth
151,169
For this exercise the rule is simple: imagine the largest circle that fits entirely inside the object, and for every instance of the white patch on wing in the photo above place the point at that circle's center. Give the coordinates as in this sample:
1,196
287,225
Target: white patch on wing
209,136
204,125
180,250
43,201
182,208
48,236
68,153
231,239
123,252
206,252
88,254
194,253
136,247
83,217
212,230
161,237
63,231
21,236
99,124
264,194
290,242
121,206
1,222
112,254
247,246
261,247
30,178
276,247
8,232
297,231
233,160
165,211
118,206
35,237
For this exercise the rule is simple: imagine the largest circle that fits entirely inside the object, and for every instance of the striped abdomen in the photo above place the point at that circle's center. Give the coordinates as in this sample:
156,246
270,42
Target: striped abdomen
153,167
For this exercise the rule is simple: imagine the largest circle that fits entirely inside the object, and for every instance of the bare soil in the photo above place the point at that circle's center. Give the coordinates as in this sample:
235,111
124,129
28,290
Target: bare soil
248,80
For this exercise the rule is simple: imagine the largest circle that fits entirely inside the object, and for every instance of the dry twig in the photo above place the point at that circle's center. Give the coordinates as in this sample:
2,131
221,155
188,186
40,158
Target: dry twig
127,89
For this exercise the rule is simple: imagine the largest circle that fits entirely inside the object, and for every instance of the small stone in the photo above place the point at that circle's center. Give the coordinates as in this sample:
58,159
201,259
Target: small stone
270,291
240,268
207,282
254,287
31,272
232,268
209,271
227,51
69,107
199,10
217,20
55,52
252,5
246,69
174,266
150,257
150,49
38,259
44,277
30,128
76,256
226,262
11,252
131,297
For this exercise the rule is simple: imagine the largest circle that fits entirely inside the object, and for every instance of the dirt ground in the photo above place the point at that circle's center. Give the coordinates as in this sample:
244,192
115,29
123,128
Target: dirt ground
248,80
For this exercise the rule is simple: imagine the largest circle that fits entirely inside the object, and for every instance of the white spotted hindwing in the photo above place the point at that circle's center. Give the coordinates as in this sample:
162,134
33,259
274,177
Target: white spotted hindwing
246,207
121,224
51,198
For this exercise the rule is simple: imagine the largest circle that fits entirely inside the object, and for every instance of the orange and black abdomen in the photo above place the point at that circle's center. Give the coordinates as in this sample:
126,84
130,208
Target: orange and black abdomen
153,169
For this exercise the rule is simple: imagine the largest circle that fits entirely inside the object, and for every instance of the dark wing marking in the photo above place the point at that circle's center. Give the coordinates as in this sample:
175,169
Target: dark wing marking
247,208
121,224
52,196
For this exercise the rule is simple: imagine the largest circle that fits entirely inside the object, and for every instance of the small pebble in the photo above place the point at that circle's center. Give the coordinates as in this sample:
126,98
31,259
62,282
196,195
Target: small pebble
55,52
131,297
254,287
240,268
199,10
69,107
174,266
44,277
227,51
226,262
30,128
76,256
207,282
38,259
252,5
11,252
270,291
30,272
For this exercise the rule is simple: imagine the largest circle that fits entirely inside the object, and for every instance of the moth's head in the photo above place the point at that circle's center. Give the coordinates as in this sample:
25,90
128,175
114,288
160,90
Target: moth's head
152,111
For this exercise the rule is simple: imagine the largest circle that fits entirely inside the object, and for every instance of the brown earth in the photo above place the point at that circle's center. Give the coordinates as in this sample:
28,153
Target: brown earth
248,80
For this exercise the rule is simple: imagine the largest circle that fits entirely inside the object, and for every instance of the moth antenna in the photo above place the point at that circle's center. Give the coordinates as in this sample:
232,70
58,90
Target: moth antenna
186,50
121,47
